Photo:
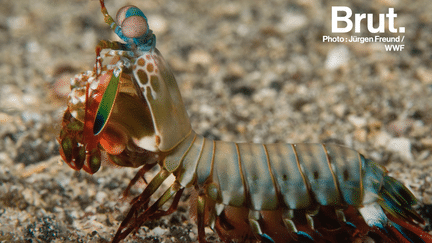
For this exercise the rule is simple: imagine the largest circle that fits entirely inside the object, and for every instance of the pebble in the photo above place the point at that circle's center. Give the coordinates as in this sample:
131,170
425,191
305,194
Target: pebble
14,101
101,196
389,3
360,135
230,9
5,118
424,74
292,21
423,155
33,46
200,57
29,116
400,127
337,57
402,146
236,70
158,231
18,24
358,122
427,142
382,138
340,110
90,209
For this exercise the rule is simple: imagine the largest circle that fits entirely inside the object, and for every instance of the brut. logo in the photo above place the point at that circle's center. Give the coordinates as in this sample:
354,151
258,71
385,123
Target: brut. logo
391,16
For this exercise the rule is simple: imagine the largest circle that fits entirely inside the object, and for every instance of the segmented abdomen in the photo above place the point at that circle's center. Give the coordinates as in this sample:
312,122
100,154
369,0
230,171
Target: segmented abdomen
264,175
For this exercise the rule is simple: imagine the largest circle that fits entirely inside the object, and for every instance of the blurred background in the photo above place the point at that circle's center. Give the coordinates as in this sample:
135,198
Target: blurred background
249,71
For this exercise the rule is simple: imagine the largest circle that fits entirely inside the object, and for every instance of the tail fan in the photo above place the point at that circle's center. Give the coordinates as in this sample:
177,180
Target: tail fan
398,200
397,203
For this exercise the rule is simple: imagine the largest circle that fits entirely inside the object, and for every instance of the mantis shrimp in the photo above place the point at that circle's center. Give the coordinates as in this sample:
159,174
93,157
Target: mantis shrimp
130,112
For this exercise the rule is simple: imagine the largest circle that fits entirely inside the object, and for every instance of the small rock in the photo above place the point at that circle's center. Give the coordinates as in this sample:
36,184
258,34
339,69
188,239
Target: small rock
400,127
337,57
90,209
200,57
101,196
424,75
292,21
427,142
382,139
360,135
423,155
18,24
389,3
29,116
208,110
33,46
227,10
158,231
236,70
340,110
402,146
264,95
243,30
427,200
376,156
374,125
358,122
30,99
4,118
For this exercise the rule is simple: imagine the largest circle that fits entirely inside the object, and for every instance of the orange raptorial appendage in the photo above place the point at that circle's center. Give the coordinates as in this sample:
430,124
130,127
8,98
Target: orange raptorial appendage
114,139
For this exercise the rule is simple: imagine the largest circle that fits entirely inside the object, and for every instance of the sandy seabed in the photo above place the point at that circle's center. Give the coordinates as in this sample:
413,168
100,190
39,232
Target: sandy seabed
249,71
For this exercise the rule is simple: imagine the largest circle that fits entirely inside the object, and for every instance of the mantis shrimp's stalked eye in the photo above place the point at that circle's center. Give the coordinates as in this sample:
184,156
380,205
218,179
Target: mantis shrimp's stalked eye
132,22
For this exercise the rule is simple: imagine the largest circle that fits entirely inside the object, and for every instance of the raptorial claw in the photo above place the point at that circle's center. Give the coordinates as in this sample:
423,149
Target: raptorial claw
106,105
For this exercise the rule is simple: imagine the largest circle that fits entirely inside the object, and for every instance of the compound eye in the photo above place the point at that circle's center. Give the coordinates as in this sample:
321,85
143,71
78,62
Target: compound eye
134,26
121,14
132,21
